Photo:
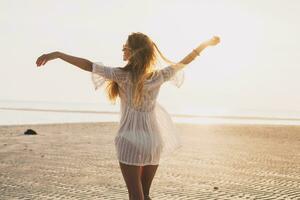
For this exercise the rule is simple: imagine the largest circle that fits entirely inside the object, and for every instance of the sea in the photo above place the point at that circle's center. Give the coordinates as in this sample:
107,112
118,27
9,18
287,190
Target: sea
15,112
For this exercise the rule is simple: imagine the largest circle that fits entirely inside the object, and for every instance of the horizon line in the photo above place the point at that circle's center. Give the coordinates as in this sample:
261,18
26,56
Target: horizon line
172,114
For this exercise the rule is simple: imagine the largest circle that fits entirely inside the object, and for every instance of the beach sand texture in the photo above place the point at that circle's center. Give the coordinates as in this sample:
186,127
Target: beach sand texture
77,161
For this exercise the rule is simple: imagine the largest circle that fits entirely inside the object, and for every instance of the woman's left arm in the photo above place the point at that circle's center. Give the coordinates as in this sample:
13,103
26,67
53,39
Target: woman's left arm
82,63
191,56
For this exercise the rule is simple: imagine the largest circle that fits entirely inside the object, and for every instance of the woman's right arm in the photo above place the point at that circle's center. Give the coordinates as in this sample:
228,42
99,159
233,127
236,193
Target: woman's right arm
82,63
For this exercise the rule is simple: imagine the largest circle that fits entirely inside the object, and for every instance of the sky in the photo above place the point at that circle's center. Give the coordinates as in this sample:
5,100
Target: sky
256,65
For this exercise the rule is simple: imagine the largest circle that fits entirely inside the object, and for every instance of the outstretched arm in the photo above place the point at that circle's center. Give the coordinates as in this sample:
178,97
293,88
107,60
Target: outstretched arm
82,63
191,56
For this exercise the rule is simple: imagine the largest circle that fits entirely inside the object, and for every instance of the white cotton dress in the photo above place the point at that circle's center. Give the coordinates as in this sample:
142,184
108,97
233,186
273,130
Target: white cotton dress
146,133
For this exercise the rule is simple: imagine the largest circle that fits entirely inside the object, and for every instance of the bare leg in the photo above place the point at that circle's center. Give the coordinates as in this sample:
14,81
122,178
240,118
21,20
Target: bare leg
132,177
148,173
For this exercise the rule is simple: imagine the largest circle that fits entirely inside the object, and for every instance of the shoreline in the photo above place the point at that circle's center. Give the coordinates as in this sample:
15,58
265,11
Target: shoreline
176,123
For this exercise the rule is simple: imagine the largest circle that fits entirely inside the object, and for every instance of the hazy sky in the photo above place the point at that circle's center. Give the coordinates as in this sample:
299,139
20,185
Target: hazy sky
256,65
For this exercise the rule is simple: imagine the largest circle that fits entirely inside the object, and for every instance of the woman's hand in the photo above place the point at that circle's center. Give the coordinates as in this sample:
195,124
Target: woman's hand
213,41
43,59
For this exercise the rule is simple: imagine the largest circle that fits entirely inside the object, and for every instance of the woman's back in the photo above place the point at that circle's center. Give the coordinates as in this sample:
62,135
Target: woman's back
148,96
124,80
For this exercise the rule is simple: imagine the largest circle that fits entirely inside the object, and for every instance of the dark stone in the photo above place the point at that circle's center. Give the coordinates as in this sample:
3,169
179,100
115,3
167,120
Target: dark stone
30,132
215,188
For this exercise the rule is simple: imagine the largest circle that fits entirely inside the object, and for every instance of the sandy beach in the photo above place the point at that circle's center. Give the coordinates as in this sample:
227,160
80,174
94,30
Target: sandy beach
77,161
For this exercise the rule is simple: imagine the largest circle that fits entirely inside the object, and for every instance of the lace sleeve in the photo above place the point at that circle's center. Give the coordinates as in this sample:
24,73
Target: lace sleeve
102,73
174,74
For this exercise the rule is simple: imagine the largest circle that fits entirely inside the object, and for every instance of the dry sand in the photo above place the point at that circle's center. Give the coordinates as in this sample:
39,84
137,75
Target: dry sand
77,161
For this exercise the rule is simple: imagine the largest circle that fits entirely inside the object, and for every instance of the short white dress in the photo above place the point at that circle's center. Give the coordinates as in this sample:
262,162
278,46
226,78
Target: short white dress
146,133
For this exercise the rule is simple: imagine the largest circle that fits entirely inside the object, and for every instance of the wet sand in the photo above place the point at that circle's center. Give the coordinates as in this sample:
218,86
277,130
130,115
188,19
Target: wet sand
77,161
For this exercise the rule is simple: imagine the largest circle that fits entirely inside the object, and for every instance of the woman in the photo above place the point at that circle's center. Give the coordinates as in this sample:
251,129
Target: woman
146,131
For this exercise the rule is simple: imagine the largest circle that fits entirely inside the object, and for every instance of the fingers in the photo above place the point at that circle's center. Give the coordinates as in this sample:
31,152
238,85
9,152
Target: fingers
41,60
215,40
44,62
38,61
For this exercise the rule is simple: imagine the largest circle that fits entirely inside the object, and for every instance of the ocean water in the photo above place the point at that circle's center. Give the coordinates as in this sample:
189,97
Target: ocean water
36,112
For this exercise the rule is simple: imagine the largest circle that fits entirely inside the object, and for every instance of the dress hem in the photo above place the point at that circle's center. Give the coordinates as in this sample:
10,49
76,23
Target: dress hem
137,164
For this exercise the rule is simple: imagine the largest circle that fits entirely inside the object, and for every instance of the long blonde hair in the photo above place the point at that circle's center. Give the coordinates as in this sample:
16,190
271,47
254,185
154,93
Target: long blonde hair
144,54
